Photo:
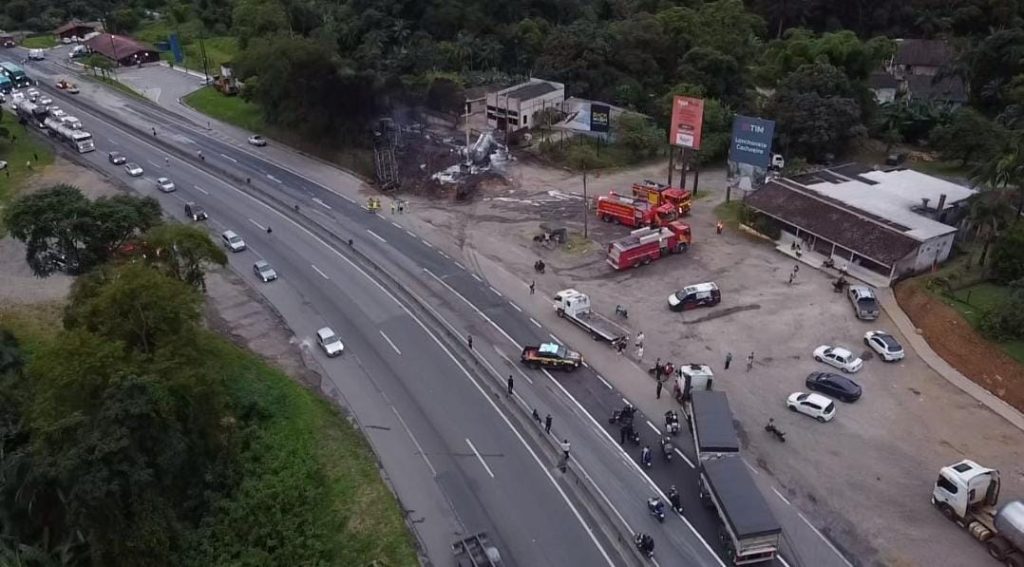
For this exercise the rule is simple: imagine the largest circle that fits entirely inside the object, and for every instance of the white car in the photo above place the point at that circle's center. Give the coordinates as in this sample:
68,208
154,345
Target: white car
3,165
232,241
839,357
165,185
329,342
257,140
133,169
45,100
886,345
815,405
263,271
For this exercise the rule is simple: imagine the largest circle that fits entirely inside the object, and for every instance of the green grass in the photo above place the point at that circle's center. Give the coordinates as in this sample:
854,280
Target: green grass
39,42
974,301
231,109
609,155
113,83
310,491
25,148
219,49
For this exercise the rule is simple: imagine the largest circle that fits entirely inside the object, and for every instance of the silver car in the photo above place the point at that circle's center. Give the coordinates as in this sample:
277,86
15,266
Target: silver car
165,185
865,304
133,169
263,271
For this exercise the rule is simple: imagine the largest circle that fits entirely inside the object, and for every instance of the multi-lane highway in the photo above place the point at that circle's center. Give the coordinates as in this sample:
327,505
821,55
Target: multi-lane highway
425,401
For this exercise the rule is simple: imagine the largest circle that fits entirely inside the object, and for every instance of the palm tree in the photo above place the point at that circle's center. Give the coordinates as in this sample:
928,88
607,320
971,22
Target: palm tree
990,213
1005,168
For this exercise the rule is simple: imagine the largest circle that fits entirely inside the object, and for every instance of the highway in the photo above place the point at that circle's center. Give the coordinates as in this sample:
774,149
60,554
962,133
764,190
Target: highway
426,403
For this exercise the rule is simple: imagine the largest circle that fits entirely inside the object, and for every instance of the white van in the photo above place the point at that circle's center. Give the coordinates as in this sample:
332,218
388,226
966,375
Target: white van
71,122
36,54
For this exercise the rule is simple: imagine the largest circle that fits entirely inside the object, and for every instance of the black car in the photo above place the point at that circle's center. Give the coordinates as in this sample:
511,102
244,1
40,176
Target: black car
195,212
835,385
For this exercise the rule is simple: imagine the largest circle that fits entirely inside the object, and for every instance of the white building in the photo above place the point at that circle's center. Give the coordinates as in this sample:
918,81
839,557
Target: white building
517,107
893,223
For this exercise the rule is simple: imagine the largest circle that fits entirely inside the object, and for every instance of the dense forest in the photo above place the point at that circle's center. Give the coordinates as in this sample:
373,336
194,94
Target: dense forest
327,68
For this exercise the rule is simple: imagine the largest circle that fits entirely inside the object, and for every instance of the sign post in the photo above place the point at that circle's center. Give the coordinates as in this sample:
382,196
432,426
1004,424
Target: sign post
685,131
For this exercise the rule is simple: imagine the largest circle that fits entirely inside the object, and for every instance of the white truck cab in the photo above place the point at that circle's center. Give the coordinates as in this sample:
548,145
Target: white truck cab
964,486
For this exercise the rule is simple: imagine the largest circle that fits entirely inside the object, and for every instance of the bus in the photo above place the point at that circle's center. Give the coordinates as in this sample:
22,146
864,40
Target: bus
16,75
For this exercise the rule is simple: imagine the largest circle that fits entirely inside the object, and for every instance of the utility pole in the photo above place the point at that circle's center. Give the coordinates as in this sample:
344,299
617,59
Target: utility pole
202,53
586,206
671,162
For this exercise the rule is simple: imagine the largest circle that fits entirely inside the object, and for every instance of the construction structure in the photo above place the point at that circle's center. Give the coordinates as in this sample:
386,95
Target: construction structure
386,140
517,107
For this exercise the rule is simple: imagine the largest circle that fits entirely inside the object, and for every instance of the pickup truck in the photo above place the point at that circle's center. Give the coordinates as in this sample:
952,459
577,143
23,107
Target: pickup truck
551,355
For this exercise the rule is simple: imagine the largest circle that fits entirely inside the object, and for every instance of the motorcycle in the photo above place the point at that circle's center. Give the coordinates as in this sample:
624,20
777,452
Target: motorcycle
657,508
667,448
838,285
623,416
621,312
672,422
673,499
644,544
779,434
667,370
828,263
645,457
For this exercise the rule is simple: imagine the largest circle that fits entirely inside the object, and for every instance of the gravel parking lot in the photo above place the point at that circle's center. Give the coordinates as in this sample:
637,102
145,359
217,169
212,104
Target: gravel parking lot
865,478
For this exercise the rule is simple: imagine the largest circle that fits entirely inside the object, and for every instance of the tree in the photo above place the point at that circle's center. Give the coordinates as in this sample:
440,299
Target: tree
62,229
124,21
1008,256
856,59
991,212
814,114
719,74
1005,167
583,157
637,133
183,252
97,62
134,305
258,18
967,136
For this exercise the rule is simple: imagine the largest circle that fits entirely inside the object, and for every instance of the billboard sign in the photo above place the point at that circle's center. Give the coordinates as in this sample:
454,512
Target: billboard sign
179,56
600,118
687,121
752,141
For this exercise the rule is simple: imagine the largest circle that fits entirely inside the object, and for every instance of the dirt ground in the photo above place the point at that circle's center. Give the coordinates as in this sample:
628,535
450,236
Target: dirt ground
961,345
864,479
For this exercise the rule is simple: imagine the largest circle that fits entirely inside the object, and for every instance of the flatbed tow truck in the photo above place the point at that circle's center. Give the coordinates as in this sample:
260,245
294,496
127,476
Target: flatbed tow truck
476,551
575,306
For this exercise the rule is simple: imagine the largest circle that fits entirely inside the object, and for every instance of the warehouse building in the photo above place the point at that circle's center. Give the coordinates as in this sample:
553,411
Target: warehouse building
75,30
520,106
883,225
123,50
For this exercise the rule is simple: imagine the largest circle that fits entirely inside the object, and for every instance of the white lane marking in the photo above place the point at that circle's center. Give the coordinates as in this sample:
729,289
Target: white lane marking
614,445
685,458
153,163
625,401
781,497
419,448
534,321
227,157
319,272
783,561
459,264
477,278
410,233
554,338
346,197
496,292
429,245
378,215
201,190
516,307
473,307
375,235
516,366
749,466
321,203
479,457
603,381
825,539
390,342
654,427
272,178
443,255
395,224
258,225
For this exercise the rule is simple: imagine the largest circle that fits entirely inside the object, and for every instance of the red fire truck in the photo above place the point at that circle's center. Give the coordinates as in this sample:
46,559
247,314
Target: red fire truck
646,245
658,194
622,209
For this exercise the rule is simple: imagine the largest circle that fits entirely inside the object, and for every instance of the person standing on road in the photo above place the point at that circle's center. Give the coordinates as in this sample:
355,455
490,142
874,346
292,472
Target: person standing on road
640,352
750,361
639,339
167,161
510,385
623,431
660,386
657,369
393,206
533,286
469,341
728,360
547,424
565,450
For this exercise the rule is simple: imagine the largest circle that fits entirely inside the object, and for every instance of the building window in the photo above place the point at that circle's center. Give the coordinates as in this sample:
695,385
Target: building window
491,108
526,119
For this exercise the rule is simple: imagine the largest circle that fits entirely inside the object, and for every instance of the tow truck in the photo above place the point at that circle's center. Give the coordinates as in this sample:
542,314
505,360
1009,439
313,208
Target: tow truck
659,194
551,355
575,306
629,211
646,245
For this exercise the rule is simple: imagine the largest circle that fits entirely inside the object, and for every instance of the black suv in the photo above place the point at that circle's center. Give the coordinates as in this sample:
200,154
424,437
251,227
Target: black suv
195,212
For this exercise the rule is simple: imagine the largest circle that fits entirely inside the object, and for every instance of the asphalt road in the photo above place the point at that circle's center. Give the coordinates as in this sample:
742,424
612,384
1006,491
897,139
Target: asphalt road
484,469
